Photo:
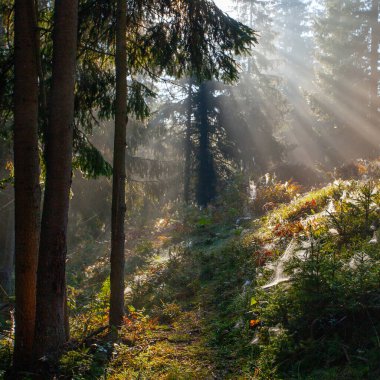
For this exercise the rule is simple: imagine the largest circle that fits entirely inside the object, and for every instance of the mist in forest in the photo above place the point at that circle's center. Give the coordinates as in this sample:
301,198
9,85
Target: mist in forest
175,125
322,59
306,100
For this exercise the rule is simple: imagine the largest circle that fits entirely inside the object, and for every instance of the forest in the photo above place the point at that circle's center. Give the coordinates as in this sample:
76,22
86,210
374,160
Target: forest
189,190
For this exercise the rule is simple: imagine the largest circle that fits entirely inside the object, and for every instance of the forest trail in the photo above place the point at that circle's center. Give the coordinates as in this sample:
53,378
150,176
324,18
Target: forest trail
177,350
199,305
177,325
164,337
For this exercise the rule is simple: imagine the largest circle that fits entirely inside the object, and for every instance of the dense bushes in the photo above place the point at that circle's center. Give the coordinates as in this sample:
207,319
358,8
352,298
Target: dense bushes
323,323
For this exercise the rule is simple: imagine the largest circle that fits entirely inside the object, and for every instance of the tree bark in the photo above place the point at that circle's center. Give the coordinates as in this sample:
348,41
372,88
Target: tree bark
206,172
187,144
50,332
27,188
116,313
374,58
7,249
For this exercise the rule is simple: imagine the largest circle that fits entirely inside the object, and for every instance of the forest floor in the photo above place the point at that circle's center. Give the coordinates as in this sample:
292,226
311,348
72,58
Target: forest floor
291,295
174,351
169,338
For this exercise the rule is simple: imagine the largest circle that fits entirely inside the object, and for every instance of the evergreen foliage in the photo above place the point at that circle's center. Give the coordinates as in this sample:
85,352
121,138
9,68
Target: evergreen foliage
225,276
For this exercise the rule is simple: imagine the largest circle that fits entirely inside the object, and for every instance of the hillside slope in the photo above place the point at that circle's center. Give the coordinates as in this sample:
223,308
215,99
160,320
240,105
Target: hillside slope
292,294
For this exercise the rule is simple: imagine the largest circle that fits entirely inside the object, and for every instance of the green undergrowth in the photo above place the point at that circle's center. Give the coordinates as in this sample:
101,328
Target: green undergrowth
320,322
199,301
203,312
323,321
147,349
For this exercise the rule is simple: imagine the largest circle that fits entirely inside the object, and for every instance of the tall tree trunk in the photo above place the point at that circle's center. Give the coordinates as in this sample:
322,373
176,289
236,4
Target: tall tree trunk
50,332
42,83
206,173
27,188
187,174
7,243
374,58
118,190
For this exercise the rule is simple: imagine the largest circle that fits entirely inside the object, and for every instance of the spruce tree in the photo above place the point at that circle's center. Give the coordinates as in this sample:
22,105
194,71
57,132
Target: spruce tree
199,41
206,187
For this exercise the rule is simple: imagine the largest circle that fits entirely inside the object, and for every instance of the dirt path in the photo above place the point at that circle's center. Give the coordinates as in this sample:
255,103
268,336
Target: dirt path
176,351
